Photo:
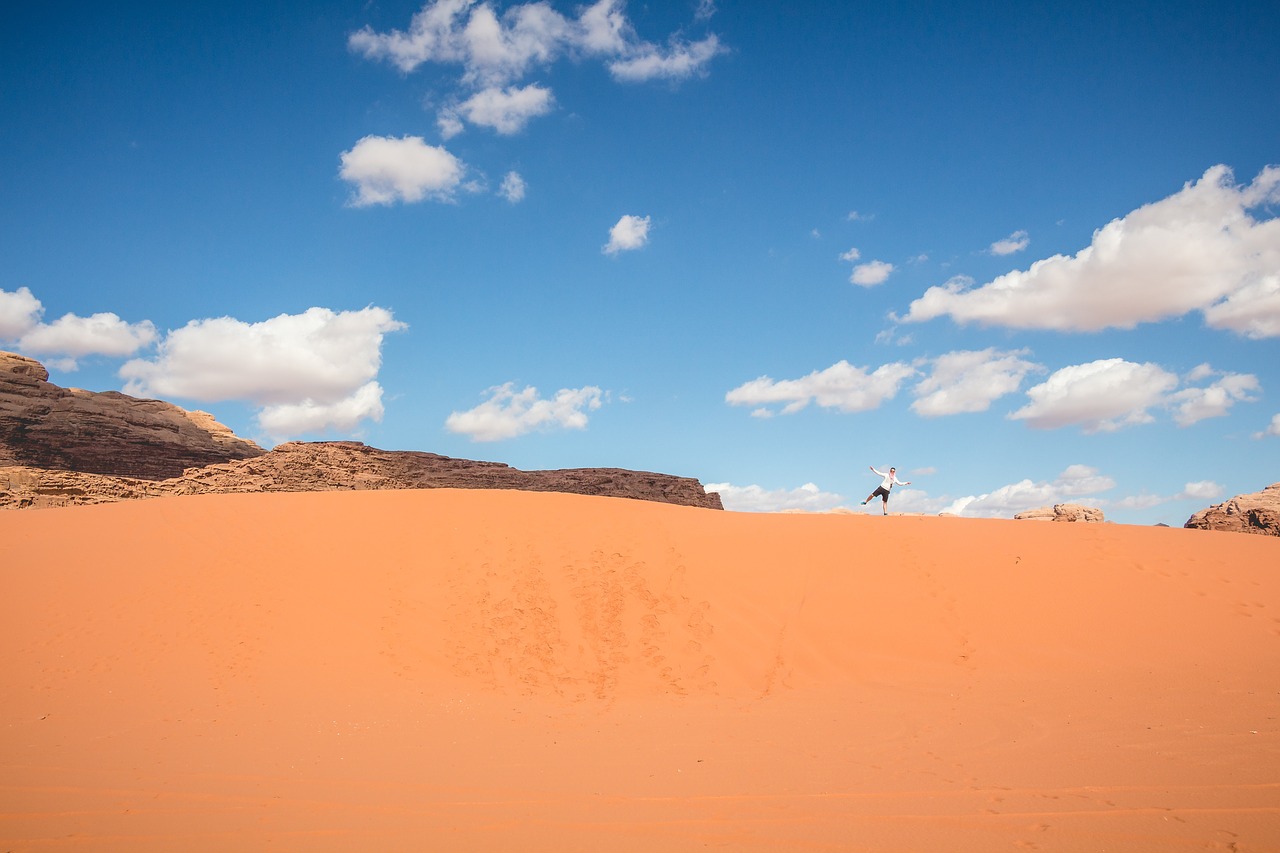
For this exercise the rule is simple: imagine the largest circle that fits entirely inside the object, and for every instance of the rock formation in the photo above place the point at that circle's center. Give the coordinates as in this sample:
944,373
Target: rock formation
46,426
1063,512
64,447
343,466
1258,512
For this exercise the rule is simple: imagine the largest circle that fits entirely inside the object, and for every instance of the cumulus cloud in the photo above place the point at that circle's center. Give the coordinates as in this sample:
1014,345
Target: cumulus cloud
969,381
1109,394
1202,490
1213,401
1273,428
509,413
630,232
758,499
305,371
506,111
1200,249
1074,483
76,337
840,386
1100,396
871,273
513,187
1015,242
19,312
386,170
495,51
71,336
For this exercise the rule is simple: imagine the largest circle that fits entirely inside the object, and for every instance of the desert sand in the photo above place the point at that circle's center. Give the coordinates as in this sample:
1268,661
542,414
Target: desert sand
510,671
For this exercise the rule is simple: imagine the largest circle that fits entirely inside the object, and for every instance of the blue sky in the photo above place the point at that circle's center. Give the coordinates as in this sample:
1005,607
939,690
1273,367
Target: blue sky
1025,253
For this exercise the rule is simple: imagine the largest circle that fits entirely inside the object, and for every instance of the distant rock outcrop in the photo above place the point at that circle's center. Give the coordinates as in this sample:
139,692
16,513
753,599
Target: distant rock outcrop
325,466
46,426
1063,512
1258,512
63,447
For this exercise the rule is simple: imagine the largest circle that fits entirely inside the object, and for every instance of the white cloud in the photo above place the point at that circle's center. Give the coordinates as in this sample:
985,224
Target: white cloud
1196,404
630,232
840,386
306,371
513,187
1252,310
19,313
386,170
758,499
1073,484
969,381
310,416
69,337
870,274
508,413
679,61
76,337
1197,250
495,51
433,36
851,255
1015,242
506,111
1203,490
1273,428
1100,396
1106,395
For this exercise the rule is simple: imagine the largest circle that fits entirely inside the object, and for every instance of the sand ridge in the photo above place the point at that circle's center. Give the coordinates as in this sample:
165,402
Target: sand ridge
464,670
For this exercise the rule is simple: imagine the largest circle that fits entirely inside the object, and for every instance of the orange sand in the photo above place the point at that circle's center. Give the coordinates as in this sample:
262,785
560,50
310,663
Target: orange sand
483,671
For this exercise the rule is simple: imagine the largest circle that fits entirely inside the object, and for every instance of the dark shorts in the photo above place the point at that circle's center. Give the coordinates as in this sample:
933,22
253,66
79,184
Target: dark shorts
881,492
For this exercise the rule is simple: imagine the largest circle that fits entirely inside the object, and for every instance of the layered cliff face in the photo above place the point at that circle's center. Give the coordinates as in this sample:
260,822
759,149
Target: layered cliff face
46,426
62,447
1258,512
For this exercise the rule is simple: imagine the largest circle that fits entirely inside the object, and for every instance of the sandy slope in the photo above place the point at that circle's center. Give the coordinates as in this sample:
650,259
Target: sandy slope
474,670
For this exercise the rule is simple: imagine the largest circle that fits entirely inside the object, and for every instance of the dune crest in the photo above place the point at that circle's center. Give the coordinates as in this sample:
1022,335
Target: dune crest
492,670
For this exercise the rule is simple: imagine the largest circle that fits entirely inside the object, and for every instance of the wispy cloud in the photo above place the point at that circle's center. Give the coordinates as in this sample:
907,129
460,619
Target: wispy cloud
495,51
509,413
755,498
513,187
1200,249
1015,242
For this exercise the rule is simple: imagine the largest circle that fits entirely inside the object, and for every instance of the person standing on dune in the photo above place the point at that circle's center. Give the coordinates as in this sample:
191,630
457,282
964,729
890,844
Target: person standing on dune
890,480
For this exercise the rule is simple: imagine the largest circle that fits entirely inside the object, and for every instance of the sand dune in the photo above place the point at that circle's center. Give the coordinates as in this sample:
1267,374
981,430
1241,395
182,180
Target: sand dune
483,671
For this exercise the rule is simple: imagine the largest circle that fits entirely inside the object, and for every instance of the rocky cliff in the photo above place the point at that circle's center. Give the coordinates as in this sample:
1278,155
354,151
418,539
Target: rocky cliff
63,447
46,426
1258,512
